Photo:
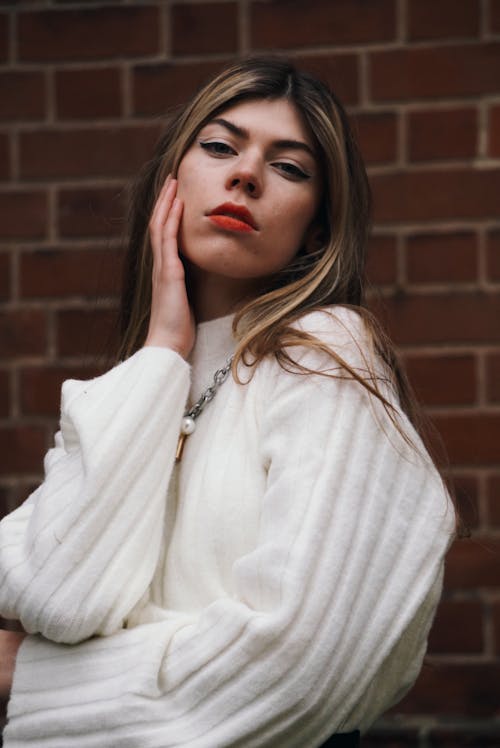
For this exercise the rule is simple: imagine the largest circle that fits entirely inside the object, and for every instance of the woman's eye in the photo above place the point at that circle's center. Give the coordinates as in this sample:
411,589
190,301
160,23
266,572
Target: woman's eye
217,148
291,170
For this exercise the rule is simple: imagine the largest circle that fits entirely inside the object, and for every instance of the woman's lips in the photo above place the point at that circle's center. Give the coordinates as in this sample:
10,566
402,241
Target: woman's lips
230,223
233,217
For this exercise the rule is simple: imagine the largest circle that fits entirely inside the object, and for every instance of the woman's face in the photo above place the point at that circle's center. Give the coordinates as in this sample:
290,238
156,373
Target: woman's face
250,184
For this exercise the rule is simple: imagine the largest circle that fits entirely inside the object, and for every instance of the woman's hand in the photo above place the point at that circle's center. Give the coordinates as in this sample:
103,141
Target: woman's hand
171,324
10,641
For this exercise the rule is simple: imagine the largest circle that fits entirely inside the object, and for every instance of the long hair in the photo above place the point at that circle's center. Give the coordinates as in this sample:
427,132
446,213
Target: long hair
331,274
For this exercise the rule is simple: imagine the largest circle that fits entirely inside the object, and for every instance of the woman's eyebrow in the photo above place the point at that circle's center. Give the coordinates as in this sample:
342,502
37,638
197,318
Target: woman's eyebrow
241,132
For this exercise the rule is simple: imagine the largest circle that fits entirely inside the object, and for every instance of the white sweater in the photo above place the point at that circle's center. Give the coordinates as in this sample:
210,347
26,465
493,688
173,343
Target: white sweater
276,587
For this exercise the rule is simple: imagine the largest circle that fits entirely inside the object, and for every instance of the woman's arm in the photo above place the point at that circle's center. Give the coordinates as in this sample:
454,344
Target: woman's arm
80,553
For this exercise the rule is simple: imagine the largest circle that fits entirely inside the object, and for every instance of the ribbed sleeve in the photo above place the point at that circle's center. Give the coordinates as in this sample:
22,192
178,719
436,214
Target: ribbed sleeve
80,552
325,618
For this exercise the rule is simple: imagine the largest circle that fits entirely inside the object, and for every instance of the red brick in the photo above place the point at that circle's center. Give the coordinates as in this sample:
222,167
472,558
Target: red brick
495,15
4,36
382,261
5,172
85,212
435,72
88,333
87,94
436,194
22,95
22,449
457,628
4,275
339,72
493,131
62,273
466,490
473,563
88,34
443,19
280,23
493,377
442,258
443,380
455,690
442,134
110,152
204,28
156,88
493,255
377,136
24,215
493,494
22,332
4,394
443,318
471,438
40,388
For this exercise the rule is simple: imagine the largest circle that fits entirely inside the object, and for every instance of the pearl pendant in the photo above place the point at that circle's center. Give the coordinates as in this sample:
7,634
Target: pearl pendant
188,425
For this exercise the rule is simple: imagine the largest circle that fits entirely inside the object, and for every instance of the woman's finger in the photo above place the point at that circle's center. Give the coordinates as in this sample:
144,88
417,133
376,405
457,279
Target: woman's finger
170,248
160,215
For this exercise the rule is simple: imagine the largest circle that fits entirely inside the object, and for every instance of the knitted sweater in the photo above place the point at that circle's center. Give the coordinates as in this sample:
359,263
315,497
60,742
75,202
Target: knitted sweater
274,587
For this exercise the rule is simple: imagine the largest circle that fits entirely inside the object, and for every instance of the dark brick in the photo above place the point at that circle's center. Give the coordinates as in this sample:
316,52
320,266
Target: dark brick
442,134
381,266
434,194
466,490
62,273
446,637
88,34
4,393
88,94
284,24
156,88
435,72
443,380
22,449
4,37
4,275
455,690
24,215
5,170
340,72
473,563
22,95
22,332
91,212
443,19
86,332
204,28
442,258
493,494
471,439
377,136
110,152
443,318
493,377
493,255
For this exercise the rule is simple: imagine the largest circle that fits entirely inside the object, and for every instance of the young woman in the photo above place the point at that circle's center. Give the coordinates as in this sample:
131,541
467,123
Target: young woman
261,569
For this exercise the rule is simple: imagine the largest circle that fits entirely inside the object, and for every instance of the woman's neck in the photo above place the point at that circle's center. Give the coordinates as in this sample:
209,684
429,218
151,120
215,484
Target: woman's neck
214,296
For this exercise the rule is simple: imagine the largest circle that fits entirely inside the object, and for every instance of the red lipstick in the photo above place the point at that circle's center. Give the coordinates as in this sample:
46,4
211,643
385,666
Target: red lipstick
233,217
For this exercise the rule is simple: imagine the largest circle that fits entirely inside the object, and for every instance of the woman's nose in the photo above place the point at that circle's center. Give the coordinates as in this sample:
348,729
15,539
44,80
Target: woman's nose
246,178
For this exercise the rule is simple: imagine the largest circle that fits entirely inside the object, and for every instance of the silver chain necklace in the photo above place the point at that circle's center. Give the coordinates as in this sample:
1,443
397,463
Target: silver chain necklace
188,423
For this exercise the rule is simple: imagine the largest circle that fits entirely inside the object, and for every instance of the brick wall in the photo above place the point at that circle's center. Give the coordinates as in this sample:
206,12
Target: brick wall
83,86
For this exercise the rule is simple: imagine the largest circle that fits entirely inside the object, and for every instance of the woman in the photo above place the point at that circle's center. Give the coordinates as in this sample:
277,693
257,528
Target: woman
274,583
